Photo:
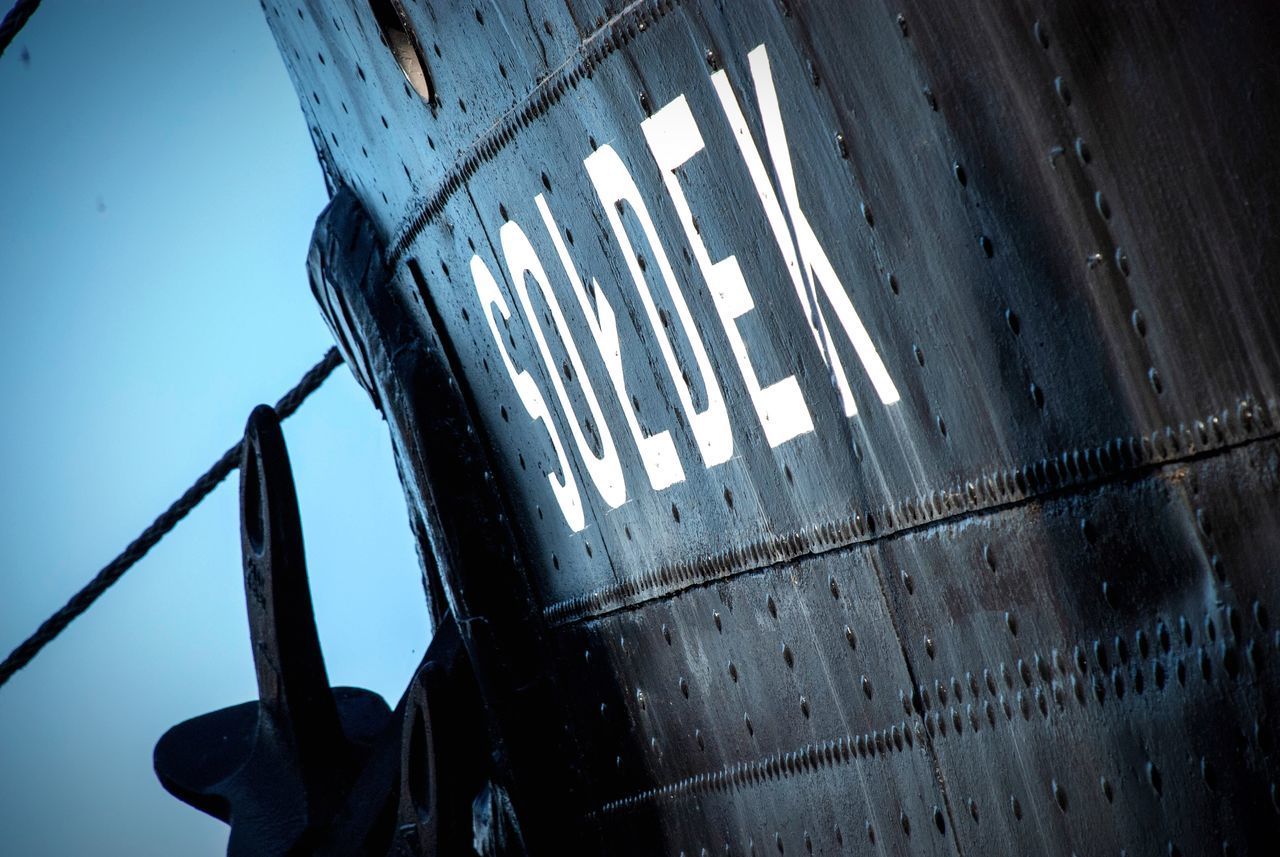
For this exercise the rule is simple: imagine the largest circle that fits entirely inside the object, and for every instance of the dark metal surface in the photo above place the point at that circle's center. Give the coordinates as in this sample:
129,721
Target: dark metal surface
835,426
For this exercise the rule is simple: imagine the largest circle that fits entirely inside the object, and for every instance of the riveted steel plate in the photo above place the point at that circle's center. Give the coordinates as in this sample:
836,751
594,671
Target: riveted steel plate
882,398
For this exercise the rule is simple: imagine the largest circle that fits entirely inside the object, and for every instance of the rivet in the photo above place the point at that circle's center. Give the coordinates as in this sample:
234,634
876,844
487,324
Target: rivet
1122,261
1064,92
902,25
988,249
842,148
1082,151
787,656
930,99
1100,203
1060,796
1154,778
1087,530
1041,34
1207,774
1100,655
1153,376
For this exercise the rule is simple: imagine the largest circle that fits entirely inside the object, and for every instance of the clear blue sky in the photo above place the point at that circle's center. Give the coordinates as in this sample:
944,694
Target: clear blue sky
157,193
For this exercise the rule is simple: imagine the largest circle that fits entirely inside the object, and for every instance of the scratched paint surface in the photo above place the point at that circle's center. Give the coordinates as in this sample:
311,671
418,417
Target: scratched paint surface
881,358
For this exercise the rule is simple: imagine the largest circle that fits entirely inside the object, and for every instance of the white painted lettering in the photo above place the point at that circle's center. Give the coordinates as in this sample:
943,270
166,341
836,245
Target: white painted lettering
564,487
817,268
657,451
674,138
614,184
605,469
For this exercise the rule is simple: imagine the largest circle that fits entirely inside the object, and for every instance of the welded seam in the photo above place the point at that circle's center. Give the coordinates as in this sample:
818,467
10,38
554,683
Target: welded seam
615,34
1071,470
1045,690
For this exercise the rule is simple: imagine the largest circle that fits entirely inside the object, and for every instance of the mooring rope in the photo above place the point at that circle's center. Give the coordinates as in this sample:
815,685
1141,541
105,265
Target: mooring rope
15,21
137,549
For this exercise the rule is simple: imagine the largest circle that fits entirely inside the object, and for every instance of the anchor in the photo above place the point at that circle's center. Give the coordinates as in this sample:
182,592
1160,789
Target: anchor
310,769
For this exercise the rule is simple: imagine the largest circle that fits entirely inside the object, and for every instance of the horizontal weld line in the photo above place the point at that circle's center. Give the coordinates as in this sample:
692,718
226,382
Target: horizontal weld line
618,32
1072,469
848,749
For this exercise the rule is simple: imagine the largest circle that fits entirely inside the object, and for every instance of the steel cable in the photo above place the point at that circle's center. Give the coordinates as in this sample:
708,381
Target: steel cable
15,21
137,549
